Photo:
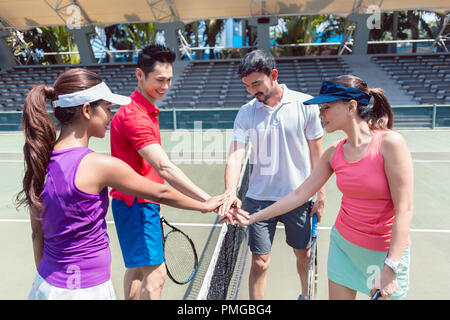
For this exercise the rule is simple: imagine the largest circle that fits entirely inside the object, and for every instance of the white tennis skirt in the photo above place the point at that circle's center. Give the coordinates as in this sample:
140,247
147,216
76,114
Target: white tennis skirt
42,290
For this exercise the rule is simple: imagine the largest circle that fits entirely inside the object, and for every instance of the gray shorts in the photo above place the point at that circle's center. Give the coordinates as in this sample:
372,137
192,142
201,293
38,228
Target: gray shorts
297,226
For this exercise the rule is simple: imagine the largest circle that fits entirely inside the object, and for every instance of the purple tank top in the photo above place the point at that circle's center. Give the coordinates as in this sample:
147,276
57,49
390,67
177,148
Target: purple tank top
76,245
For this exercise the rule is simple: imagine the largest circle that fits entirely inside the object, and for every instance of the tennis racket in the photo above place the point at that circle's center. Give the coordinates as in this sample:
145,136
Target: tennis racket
179,254
312,270
377,296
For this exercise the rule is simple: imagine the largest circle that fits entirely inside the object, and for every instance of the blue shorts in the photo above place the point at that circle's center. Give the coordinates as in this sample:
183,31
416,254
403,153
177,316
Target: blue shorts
297,226
139,232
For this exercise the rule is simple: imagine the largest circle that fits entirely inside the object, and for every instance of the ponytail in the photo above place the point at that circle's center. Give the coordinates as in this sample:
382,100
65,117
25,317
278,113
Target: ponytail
40,131
381,116
40,137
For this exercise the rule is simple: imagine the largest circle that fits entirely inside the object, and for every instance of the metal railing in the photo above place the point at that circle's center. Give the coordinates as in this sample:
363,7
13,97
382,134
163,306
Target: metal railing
402,115
432,116
184,48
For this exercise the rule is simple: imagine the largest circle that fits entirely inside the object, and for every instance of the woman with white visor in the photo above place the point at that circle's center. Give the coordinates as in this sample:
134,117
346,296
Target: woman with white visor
65,187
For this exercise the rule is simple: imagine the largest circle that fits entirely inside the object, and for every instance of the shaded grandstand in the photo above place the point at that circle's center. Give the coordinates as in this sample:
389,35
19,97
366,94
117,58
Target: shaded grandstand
212,84
425,79
419,81
15,83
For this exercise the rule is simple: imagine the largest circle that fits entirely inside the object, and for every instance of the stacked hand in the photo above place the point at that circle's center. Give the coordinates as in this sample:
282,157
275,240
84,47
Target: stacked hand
230,211
213,203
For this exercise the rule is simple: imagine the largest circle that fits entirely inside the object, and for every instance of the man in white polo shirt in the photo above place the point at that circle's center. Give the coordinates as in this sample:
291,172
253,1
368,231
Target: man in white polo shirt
286,142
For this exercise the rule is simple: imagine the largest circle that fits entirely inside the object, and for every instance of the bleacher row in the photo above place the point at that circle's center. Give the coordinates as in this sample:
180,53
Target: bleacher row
214,84
16,83
209,84
425,77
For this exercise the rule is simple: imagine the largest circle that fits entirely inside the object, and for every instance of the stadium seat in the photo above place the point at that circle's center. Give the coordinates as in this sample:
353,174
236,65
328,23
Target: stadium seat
426,77
215,84
219,85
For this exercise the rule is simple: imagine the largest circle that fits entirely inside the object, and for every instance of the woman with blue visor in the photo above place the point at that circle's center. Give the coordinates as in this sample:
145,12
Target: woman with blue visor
369,241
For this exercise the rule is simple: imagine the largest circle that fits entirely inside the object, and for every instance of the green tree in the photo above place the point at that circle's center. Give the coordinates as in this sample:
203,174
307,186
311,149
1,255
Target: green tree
302,29
212,28
192,30
410,25
129,37
46,39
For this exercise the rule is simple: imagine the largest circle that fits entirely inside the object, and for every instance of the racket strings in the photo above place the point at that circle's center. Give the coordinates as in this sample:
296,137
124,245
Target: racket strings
179,256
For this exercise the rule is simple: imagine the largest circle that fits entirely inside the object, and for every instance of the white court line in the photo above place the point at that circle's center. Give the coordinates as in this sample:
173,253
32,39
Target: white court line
20,133
187,224
112,222
208,162
432,161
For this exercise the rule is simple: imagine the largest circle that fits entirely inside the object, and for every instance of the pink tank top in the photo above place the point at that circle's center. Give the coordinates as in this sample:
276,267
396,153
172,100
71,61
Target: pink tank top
367,212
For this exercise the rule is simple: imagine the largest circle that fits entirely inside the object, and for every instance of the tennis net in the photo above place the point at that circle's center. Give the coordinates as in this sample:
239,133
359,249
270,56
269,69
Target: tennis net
221,266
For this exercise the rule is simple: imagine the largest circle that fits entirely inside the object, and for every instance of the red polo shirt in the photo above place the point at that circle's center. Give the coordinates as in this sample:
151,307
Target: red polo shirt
134,127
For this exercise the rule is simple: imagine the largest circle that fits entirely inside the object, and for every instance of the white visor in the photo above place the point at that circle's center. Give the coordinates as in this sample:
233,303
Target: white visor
97,92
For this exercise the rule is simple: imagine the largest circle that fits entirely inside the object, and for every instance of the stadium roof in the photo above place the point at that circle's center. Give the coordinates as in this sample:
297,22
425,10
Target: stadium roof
24,14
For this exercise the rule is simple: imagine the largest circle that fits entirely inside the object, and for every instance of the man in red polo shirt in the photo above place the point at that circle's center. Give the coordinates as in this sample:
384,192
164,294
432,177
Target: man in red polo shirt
136,139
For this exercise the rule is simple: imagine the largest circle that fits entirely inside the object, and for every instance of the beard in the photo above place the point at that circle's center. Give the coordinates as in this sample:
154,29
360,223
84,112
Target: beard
261,97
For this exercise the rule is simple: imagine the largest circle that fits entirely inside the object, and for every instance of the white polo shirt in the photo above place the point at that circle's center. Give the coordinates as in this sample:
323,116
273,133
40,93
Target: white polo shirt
278,136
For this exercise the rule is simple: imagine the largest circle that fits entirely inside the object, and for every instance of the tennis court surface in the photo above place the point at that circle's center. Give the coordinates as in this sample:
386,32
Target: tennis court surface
201,156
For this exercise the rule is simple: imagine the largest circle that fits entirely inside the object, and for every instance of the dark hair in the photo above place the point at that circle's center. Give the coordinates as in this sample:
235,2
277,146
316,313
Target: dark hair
256,61
374,113
153,53
40,131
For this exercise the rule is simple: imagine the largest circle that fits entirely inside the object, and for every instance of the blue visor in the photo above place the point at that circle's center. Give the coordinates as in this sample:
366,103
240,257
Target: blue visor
332,91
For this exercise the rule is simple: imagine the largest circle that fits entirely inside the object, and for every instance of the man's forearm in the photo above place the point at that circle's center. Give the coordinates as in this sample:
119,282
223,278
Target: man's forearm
232,175
234,165
158,159
177,179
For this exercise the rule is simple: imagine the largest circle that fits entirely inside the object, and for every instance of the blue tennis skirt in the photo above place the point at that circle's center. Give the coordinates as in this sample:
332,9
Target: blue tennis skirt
356,268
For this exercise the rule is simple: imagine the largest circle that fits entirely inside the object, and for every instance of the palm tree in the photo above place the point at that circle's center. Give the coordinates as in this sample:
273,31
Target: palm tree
212,28
46,39
139,34
410,25
302,29
129,37
191,30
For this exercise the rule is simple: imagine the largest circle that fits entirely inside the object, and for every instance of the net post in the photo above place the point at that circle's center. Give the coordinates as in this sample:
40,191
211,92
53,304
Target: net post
174,118
433,120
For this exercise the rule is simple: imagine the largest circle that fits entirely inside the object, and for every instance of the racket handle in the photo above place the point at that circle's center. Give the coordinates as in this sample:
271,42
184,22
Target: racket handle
376,296
314,226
